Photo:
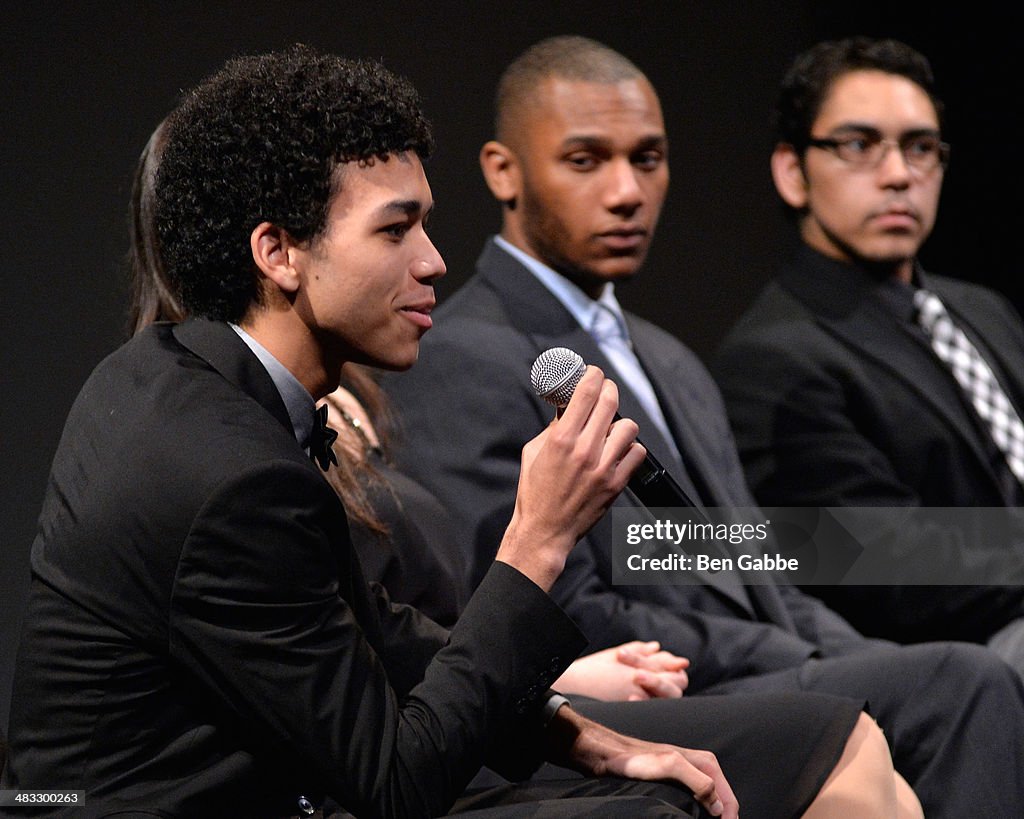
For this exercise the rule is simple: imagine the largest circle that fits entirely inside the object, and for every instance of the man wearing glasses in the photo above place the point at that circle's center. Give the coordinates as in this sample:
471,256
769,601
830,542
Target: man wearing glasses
856,379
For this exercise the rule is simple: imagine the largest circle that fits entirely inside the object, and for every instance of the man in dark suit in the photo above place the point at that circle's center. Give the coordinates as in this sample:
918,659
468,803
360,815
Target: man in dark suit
580,168
200,640
836,379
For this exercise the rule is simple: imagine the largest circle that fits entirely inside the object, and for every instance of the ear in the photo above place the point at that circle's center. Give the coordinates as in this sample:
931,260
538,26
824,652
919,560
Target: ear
788,174
501,171
274,252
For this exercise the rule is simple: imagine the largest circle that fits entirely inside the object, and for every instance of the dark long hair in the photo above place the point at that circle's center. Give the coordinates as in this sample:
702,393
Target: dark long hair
153,298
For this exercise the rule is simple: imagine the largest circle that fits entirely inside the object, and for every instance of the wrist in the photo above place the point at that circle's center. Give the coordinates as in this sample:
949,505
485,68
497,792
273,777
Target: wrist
540,559
563,732
581,744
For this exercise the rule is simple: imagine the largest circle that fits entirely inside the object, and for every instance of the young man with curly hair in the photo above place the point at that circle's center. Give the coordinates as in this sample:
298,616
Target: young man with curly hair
199,639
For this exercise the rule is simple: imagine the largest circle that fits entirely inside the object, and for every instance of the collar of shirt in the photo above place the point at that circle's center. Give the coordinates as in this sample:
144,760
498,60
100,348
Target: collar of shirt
297,400
898,296
579,304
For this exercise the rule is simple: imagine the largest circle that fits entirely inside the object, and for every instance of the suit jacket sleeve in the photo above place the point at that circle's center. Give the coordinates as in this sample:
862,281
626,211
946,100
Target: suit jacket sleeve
268,618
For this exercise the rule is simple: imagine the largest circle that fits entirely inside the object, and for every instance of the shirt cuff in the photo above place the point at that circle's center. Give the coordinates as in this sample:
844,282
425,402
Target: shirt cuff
555,701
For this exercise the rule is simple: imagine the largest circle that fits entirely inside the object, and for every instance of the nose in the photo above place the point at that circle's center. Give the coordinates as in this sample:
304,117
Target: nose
623,192
893,168
429,265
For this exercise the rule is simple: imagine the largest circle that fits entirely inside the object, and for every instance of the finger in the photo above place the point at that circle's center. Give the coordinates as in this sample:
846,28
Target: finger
629,463
678,679
600,432
639,647
660,661
635,652
701,783
617,440
655,685
664,661
697,770
705,791
721,801
620,452
578,410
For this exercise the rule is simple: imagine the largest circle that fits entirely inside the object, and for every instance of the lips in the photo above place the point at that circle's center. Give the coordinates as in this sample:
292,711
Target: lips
419,313
896,218
896,209
629,237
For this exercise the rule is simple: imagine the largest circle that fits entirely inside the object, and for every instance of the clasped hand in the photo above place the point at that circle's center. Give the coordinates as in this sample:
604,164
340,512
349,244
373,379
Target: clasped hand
632,671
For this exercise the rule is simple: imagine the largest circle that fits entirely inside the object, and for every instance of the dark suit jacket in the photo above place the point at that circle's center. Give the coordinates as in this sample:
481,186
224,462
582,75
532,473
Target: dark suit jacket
835,401
200,640
467,409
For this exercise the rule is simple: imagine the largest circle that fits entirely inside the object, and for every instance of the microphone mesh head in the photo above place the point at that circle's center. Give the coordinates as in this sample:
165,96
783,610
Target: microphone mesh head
555,374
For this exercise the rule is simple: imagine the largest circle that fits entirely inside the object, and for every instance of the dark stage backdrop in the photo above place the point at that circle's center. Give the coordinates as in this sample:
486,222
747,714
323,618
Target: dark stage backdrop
83,84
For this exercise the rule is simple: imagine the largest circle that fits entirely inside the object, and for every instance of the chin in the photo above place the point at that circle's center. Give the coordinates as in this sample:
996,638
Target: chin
394,359
399,363
618,270
892,253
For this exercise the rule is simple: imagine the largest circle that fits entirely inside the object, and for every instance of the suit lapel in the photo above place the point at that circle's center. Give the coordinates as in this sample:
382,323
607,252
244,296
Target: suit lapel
217,344
686,415
682,409
991,336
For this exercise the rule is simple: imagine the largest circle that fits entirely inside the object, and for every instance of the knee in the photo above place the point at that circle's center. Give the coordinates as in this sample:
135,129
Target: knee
868,746
863,782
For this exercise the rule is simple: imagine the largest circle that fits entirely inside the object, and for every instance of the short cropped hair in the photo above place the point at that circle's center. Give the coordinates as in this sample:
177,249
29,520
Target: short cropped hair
809,78
569,57
259,141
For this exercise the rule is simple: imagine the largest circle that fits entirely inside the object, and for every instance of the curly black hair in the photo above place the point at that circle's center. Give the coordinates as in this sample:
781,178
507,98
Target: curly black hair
258,141
809,78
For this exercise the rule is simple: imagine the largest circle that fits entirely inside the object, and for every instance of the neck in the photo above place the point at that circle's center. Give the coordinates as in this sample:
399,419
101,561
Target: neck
904,271
590,285
900,269
295,347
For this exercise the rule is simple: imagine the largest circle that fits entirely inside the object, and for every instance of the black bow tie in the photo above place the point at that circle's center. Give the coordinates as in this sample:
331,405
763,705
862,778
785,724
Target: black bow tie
320,439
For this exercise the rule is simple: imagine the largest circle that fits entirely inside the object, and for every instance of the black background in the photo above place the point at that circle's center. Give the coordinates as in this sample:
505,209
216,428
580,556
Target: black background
83,85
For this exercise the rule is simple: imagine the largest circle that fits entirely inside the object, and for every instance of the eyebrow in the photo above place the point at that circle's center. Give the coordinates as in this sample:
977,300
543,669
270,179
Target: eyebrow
405,207
870,128
644,143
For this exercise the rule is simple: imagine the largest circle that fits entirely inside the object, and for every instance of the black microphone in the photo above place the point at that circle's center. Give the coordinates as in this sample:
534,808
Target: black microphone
554,377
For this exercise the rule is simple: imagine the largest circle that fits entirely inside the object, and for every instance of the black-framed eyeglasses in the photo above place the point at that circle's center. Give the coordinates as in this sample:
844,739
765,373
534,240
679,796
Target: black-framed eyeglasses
922,152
